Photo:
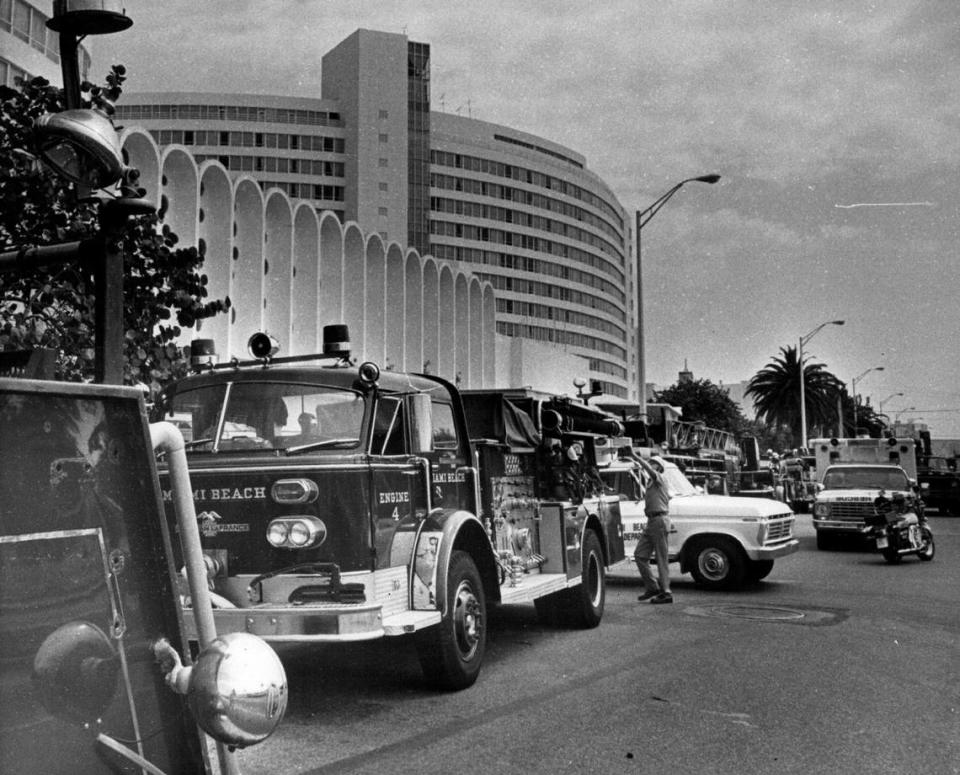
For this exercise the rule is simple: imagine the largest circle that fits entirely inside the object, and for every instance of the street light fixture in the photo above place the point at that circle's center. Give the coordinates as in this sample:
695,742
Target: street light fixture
854,382
643,217
803,389
82,145
887,399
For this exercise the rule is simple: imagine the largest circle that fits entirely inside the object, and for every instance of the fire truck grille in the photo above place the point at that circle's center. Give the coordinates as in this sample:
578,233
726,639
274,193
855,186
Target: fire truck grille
780,530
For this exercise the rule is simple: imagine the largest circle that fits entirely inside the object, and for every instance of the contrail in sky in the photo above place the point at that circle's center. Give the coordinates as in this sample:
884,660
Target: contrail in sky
888,204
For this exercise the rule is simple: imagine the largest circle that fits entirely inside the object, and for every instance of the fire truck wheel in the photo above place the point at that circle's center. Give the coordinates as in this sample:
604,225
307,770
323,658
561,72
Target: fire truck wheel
451,652
582,606
718,563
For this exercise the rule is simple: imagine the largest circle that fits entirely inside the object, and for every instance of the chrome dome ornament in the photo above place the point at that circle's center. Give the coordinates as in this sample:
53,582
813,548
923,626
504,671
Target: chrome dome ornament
237,690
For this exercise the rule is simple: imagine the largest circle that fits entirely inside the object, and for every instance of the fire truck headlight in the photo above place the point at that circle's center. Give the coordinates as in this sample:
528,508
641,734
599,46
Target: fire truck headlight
277,532
299,532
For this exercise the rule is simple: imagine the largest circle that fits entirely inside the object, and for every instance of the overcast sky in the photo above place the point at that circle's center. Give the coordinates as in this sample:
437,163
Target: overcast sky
835,126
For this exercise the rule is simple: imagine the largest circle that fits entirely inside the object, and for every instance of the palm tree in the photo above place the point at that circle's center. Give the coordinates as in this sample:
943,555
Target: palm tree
776,392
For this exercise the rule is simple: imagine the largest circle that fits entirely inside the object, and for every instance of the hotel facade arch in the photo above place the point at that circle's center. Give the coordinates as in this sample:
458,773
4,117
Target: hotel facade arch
278,268
305,278
290,270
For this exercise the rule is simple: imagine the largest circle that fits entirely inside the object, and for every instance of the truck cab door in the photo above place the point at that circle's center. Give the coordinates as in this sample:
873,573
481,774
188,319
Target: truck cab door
441,440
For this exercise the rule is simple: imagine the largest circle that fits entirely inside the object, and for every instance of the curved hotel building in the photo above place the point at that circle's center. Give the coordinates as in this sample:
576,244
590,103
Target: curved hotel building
521,213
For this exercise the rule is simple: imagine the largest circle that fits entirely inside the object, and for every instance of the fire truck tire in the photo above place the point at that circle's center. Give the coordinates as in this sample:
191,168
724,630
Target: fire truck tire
718,563
582,606
451,652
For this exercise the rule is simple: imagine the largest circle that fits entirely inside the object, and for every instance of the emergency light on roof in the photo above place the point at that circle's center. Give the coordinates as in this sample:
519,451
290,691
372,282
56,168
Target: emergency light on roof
203,352
336,341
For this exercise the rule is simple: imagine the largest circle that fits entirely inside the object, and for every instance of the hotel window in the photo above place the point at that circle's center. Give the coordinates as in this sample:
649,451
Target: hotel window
384,137
384,114
21,21
384,162
384,186
381,211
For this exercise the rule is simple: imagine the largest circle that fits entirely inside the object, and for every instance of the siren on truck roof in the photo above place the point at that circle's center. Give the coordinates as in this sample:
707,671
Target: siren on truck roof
262,345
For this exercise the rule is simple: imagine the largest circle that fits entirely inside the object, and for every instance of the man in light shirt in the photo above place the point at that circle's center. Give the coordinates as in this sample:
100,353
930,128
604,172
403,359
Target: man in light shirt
653,539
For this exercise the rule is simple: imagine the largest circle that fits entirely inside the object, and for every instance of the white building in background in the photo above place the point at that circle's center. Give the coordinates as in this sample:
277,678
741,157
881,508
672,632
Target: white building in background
289,270
509,235
27,47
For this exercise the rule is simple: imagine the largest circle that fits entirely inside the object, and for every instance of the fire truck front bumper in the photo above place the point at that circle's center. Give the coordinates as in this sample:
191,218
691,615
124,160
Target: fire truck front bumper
344,622
315,623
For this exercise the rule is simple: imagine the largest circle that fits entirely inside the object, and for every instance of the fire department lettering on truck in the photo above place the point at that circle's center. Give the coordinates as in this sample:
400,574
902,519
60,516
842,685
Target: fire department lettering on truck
224,494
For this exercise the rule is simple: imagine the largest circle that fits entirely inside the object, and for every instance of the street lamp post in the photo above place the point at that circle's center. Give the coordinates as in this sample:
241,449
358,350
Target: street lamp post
803,389
643,217
854,382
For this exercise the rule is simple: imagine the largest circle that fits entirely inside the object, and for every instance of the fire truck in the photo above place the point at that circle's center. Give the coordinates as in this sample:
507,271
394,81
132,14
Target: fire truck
96,674
344,503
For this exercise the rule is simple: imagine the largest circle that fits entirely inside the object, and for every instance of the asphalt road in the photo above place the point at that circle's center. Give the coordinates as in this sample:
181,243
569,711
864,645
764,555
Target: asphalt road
837,663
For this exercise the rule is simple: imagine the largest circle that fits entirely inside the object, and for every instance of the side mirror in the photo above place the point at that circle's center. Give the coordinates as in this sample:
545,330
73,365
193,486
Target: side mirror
421,424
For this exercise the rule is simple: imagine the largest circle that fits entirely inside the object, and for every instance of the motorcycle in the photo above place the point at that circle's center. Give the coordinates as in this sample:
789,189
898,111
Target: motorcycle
900,527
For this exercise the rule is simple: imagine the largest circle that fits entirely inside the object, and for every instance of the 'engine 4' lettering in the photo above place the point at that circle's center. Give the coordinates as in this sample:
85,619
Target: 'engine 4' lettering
395,497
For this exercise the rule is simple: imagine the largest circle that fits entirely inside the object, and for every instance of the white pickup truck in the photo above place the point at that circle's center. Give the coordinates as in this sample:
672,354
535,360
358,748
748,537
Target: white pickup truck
722,541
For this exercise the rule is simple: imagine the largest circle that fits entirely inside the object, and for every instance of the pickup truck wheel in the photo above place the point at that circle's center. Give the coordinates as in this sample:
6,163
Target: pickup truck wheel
582,606
718,563
926,554
757,570
451,652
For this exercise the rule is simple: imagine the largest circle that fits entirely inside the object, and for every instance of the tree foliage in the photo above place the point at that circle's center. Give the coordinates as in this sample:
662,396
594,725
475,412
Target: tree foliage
164,289
776,393
702,400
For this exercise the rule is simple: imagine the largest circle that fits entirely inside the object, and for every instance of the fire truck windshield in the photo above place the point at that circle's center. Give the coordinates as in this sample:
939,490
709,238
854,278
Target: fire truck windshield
245,416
